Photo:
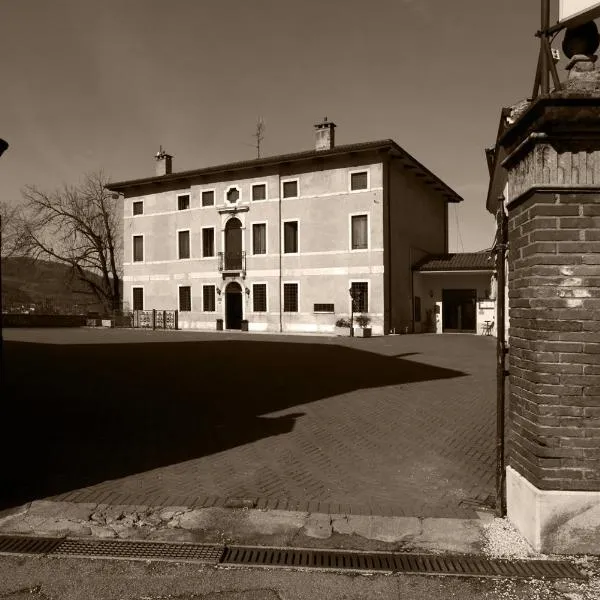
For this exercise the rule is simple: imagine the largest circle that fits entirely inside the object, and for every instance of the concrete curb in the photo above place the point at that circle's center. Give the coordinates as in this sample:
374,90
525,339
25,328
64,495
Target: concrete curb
218,525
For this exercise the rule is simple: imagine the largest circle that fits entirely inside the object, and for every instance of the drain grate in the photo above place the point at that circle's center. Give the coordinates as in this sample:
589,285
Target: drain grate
404,563
291,557
19,544
140,550
111,548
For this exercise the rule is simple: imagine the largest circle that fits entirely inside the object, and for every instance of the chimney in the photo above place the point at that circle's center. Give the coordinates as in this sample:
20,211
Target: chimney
164,163
325,135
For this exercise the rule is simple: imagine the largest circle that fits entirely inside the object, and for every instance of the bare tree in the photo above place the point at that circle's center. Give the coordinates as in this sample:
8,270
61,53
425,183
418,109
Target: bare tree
259,135
79,226
11,231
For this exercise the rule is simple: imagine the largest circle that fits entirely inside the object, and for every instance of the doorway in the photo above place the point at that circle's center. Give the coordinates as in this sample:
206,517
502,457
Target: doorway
233,306
459,311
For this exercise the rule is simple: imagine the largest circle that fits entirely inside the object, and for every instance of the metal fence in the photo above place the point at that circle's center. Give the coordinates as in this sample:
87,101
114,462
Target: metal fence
156,319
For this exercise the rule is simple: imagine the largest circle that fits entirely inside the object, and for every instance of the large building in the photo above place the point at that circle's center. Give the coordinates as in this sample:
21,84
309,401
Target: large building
283,242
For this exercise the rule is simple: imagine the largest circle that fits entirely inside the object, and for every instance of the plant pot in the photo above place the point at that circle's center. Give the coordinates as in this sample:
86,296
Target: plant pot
343,331
362,332
244,325
219,324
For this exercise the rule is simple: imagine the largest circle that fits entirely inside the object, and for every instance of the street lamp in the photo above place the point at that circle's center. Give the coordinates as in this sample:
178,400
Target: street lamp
353,295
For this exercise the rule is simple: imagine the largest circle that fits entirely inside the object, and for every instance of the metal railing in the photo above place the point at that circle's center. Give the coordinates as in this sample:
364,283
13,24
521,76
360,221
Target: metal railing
232,261
156,319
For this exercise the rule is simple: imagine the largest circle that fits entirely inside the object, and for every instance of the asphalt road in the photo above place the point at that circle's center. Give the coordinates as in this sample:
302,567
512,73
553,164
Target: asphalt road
42,578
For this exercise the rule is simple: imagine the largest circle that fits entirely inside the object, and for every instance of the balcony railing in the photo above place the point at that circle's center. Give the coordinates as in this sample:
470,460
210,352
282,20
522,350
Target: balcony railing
232,262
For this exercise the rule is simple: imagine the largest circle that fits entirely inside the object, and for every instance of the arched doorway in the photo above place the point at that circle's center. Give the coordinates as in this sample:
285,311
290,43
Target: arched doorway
233,306
233,244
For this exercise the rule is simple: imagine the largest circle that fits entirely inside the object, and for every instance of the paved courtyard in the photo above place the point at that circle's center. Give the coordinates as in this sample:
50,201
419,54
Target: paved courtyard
398,425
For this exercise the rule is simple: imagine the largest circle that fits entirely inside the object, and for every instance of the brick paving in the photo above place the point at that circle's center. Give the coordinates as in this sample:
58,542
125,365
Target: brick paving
397,425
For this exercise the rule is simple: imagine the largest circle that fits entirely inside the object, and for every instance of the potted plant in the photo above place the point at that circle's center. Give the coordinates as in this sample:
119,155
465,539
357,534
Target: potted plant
342,326
363,321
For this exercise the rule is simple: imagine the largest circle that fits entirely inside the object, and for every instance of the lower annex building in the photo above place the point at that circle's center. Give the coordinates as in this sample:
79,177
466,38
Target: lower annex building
284,242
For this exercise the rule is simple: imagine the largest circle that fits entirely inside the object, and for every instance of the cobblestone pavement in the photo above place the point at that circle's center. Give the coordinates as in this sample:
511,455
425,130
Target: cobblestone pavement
397,425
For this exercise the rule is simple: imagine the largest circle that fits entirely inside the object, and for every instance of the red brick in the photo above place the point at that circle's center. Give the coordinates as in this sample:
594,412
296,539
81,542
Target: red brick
591,235
580,358
556,210
538,223
579,223
575,247
591,210
568,235
544,248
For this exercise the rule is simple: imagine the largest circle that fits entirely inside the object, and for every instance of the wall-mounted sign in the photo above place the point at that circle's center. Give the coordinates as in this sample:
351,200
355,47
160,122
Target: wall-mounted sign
577,12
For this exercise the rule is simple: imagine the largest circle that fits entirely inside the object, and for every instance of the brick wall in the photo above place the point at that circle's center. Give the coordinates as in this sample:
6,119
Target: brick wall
554,300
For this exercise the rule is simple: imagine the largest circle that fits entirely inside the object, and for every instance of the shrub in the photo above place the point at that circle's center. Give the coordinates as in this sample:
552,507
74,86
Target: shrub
363,320
342,322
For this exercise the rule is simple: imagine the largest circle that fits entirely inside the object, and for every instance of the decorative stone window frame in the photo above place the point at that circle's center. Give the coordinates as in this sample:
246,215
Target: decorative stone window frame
138,262
252,224
214,193
214,230
359,214
181,195
215,288
138,287
283,252
133,204
368,282
227,190
179,286
266,284
290,312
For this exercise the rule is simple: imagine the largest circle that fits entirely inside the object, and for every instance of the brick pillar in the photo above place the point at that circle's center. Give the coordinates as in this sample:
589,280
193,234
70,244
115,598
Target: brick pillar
553,429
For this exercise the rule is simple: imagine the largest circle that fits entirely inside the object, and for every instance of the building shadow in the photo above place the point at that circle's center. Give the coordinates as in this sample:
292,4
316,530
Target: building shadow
77,415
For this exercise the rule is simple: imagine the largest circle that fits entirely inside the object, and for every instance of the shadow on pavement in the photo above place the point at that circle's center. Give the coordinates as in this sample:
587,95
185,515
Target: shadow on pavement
76,415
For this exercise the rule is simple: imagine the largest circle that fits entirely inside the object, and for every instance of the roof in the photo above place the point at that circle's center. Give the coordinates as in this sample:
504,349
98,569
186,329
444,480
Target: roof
464,261
385,145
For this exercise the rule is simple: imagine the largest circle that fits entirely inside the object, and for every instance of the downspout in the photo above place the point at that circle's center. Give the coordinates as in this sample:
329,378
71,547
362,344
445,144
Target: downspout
388,266
280,256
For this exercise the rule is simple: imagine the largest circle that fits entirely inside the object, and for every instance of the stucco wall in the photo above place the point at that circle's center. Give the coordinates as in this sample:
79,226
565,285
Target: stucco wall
323,268
417,227
429,286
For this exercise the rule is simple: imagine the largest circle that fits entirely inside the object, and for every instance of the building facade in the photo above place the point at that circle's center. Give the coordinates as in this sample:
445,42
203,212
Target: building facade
284,243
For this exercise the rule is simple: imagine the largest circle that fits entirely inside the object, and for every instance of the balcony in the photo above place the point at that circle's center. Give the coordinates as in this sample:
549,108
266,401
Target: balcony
232,262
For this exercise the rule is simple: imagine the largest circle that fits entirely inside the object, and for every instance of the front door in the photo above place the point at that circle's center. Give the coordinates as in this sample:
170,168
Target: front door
458,310
233,306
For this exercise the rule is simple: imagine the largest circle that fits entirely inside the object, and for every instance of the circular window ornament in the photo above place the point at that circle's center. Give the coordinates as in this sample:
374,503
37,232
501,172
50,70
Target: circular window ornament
232,195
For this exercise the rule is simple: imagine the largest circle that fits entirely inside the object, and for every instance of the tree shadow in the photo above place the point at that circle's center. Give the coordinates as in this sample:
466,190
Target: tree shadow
76,415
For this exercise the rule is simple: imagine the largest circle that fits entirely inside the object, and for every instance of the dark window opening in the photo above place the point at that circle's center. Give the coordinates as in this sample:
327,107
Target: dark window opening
138,207
138,298
138,248
359,181
324,308
233,195
290,297
185,298
290,189
208,298
183,202
184,244
259,238
208,198
360,295
208,242
259,191
417,309
259,297
290,237
360,232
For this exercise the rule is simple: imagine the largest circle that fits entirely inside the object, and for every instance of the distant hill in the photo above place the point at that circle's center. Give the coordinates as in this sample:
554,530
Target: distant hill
46,285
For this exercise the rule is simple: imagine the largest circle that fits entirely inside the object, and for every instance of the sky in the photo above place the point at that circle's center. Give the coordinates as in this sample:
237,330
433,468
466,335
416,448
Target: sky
92,85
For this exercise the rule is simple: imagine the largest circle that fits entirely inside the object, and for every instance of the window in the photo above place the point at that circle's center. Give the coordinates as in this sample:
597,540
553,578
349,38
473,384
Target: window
360,232
290,297
185,298
208,241
138,248
138,207
233,195
290,237
208,198
208,298
290,189
359,181
323,308
259,297
138,298
183,243
360,294
417,309
259,238
259,191
183,202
